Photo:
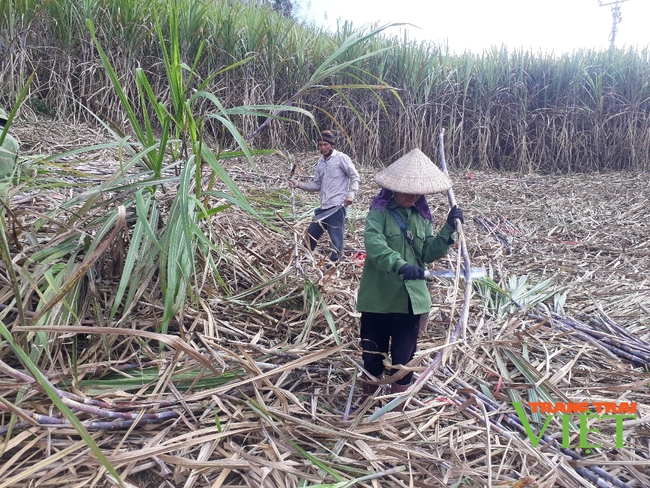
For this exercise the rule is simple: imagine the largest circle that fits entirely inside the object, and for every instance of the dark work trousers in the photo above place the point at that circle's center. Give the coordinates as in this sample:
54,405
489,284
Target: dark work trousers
379,330
335,227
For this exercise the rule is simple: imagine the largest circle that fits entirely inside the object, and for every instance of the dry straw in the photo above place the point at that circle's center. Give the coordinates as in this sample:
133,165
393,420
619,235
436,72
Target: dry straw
276,417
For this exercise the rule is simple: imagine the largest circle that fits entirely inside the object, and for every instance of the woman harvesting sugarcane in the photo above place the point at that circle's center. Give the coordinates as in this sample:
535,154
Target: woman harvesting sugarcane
399,241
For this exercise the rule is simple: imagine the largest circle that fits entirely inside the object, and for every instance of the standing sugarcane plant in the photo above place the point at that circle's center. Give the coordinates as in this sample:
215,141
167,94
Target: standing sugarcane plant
175,247
345,61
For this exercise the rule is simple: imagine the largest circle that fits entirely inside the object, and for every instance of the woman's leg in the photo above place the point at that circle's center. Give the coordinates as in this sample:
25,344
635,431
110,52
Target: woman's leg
375,336
404,341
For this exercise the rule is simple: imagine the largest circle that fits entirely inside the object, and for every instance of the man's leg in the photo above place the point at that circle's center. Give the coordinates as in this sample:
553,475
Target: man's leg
336,230
314,232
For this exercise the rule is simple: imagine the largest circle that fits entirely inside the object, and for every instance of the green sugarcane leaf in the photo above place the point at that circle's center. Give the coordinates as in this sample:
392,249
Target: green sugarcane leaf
547,391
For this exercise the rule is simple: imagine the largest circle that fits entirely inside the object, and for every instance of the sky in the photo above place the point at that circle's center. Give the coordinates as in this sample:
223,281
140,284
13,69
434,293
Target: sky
552,26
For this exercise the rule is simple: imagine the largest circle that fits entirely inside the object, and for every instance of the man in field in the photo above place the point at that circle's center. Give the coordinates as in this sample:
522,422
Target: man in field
337,181
8,157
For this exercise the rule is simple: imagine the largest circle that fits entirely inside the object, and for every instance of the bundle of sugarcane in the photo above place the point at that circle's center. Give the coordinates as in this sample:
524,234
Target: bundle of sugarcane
123,415
605,334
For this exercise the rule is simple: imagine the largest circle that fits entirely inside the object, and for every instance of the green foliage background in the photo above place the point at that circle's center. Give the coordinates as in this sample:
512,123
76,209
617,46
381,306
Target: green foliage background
519,111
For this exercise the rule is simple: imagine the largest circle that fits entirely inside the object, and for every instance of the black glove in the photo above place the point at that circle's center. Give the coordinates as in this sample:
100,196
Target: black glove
455,213
411,272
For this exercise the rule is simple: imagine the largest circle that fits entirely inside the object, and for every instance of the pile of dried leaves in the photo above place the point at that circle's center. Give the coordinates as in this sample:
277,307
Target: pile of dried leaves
259,387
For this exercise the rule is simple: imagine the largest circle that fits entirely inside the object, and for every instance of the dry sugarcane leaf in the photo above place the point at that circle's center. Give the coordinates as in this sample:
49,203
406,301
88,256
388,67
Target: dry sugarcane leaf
171,341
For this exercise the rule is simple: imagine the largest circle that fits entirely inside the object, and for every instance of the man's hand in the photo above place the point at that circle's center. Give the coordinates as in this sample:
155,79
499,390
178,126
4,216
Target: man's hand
348,201
293,183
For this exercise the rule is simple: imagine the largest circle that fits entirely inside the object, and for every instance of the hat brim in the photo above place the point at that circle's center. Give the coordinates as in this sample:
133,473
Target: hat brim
414,174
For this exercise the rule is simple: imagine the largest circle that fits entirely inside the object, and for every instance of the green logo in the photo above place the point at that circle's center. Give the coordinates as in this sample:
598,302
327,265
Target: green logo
602,411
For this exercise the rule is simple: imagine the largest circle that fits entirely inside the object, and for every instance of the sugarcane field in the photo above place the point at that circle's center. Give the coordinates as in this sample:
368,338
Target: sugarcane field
165,323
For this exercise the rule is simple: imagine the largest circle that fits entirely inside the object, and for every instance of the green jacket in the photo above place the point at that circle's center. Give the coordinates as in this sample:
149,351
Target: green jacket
8,158
382,290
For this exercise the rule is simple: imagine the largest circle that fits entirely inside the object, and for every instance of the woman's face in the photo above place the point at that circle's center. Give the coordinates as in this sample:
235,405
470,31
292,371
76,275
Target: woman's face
405,199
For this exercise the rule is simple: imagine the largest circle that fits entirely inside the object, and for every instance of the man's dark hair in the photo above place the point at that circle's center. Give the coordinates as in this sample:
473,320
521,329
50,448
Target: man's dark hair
328,136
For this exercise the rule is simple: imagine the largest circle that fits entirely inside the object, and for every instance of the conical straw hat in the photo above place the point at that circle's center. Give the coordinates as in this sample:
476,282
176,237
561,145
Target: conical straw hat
415,174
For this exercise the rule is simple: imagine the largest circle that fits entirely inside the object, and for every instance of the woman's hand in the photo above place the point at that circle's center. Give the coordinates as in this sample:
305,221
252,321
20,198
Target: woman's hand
411,272
455,213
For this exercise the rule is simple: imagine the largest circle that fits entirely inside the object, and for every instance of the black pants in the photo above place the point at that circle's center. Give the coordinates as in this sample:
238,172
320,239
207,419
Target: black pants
335,226
381,330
